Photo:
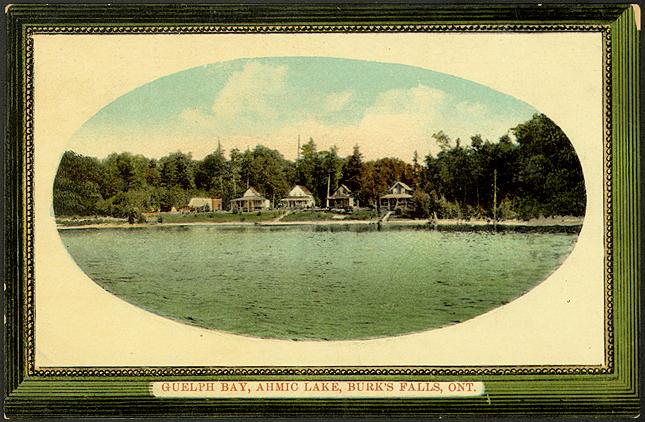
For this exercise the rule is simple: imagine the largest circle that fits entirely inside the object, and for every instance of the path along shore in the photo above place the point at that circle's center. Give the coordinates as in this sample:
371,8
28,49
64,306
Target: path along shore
453,223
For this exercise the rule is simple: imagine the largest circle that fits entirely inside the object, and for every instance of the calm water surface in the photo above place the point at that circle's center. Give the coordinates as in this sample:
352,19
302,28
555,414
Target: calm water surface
316,283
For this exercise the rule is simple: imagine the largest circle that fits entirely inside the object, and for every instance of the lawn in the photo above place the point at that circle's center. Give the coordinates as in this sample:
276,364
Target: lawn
219,217
225,217
309,216
330,215
85,221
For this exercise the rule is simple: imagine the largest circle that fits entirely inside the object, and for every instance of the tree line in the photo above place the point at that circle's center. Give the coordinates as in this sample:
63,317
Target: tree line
536,174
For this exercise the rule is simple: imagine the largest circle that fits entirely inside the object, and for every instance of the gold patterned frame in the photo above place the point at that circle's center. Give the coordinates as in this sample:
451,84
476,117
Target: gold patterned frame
608,366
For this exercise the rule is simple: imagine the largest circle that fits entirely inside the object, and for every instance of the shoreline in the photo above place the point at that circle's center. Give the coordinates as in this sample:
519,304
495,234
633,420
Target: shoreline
565,223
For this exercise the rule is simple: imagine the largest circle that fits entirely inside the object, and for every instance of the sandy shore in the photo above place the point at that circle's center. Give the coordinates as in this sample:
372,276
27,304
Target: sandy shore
140,225
220,224
565,221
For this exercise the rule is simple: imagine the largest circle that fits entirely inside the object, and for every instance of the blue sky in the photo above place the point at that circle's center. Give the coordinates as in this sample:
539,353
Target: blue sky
387,109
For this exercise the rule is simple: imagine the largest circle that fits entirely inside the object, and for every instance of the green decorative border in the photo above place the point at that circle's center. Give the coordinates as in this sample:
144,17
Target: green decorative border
611,387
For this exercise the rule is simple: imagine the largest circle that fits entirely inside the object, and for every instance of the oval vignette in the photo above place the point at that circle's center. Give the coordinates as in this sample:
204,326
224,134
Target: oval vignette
311,198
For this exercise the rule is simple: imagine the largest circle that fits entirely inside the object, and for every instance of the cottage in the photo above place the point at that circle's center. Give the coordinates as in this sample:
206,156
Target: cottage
398,196
299,197
342,198
251,200
205,204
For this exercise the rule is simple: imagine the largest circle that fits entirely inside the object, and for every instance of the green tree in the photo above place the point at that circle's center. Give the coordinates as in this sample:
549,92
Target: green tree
77,185
151,174
442,140
548,174
211,172
176,169
307,165
329,171
351,173
424,205
269,172
235,174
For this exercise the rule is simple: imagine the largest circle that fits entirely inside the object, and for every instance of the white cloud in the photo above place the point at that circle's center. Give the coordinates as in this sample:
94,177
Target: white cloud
395,125
420,99
400,121
252,91
337,101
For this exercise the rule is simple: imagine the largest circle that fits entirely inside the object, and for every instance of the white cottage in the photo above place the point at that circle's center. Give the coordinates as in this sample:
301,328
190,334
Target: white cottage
398,196
251,200
299,197
341,198
205,204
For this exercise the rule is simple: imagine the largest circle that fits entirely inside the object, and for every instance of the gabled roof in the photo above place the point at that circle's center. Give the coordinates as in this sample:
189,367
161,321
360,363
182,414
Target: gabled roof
299,191
199,202
403,185
250,195
343,187
250,192
342,192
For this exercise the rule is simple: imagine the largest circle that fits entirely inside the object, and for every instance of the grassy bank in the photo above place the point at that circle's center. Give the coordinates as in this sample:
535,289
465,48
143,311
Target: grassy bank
166,217
550,225
217,217
86,221
330,216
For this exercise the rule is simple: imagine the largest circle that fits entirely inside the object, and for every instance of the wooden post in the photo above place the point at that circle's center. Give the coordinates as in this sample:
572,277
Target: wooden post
495,199
328,182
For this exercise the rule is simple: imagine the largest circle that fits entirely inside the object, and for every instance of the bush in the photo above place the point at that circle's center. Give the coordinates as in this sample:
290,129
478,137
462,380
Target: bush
422,204
449,209
505,210
527,209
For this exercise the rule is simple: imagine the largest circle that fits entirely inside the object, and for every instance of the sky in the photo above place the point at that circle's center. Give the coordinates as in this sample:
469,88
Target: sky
389,110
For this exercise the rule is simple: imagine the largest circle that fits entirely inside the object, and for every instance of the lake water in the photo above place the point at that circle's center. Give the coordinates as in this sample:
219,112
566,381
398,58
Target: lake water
310,282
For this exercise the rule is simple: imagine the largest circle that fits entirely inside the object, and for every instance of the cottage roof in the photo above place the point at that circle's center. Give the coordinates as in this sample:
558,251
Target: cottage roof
299,191
252,192
401,184
251,195
199,202
341,193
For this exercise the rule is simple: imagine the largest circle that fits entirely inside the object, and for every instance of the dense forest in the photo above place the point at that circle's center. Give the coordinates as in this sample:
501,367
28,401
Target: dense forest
535,174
